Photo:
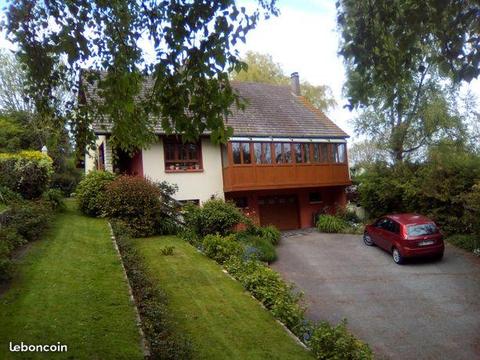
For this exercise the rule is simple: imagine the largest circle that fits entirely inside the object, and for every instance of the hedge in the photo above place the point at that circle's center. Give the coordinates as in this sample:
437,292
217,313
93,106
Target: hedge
28,172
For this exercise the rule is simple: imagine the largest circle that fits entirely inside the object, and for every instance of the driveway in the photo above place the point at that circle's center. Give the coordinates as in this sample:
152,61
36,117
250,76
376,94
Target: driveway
421,310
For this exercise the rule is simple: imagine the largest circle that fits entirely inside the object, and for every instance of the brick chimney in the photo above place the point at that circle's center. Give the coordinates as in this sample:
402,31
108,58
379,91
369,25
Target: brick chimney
295,83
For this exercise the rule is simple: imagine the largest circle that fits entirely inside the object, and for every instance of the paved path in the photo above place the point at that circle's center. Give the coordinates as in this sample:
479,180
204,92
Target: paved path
421,310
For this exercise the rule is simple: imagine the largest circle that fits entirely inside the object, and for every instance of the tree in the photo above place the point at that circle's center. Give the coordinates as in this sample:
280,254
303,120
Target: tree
263,69
411,115
13,97
365,153
193,45
385,43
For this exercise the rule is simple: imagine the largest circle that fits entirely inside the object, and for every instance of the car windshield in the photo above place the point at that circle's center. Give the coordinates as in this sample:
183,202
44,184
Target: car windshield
422,229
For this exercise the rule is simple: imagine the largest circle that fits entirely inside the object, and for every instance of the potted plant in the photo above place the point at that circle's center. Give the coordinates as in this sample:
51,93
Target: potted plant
197,166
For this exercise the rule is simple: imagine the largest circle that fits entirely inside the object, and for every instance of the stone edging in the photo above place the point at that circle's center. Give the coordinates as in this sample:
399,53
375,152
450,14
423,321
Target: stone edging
143,340
292,335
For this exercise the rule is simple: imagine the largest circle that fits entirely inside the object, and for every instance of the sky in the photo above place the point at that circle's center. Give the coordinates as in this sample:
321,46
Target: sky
303,38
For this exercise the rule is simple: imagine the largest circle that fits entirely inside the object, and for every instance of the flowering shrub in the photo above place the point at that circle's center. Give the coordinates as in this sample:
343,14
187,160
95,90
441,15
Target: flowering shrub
27,172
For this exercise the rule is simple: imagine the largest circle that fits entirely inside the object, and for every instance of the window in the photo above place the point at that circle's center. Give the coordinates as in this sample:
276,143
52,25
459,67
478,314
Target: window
422,229
339,153
241,153
182,156
241,202
302,153
237,158
320,152
246,153
263,153
314,197
190,201
283,153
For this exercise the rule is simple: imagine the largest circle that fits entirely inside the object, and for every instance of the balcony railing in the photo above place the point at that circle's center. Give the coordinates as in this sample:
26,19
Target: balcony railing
297,172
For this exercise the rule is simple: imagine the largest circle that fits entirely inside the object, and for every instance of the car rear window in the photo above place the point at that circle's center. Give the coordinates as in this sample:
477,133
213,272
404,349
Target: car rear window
422,229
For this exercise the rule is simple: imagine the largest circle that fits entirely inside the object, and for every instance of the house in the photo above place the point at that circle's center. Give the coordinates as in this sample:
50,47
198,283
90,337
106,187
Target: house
285,162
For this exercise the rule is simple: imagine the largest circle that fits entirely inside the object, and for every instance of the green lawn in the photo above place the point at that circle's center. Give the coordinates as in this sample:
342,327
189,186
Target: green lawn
219,317
70,288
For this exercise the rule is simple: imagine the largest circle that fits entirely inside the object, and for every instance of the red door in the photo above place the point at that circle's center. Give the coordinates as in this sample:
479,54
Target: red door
280,211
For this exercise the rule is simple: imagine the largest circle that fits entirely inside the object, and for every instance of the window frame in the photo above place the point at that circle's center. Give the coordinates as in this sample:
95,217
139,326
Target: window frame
178,148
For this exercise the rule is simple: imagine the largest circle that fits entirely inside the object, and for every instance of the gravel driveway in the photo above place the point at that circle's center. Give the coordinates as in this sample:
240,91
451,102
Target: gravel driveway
421,310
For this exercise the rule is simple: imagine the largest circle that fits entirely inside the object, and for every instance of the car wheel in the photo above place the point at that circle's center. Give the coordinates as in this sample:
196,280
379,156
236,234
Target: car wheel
367,239
397,257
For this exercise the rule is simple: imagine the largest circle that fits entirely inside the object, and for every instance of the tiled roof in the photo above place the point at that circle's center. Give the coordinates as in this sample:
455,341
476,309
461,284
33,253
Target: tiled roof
271,110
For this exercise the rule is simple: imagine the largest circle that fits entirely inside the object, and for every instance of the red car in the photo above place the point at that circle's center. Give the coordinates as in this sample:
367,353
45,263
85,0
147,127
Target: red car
405,235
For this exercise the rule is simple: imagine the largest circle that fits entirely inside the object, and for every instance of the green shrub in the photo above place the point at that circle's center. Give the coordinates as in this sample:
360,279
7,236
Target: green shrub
167,250
137,202
267,286
20,223
257,247
335,342
221,248
27,172
467,242
8,196
214,217
330,224
90,192
472,209
29,219
54,198
271,233
165,341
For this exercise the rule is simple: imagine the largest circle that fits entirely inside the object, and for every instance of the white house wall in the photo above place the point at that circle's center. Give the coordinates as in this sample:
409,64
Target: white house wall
191,185
91,155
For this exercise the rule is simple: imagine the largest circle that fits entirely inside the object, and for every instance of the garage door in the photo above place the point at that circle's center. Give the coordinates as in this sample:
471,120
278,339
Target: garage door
281,211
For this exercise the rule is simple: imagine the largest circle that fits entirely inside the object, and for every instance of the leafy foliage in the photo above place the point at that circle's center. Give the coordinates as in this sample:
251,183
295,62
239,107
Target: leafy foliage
137,202
193,51
270,233
20,223
336,342
90,192
257,246
387,43
261,68
467,242
221,248
214,217
26,172
437,188
157,323
330,224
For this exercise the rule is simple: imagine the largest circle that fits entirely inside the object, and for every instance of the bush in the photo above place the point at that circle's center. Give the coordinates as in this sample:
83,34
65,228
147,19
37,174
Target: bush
467,242
257,247
54,198
90,192
20,223
221,248
335,342
330,224
165,342
270,233
167,250
8,196
267,286
215,217
27,172
29,219
137,202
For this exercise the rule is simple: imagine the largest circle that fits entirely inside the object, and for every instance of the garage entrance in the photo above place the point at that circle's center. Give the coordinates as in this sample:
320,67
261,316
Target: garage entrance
279,210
